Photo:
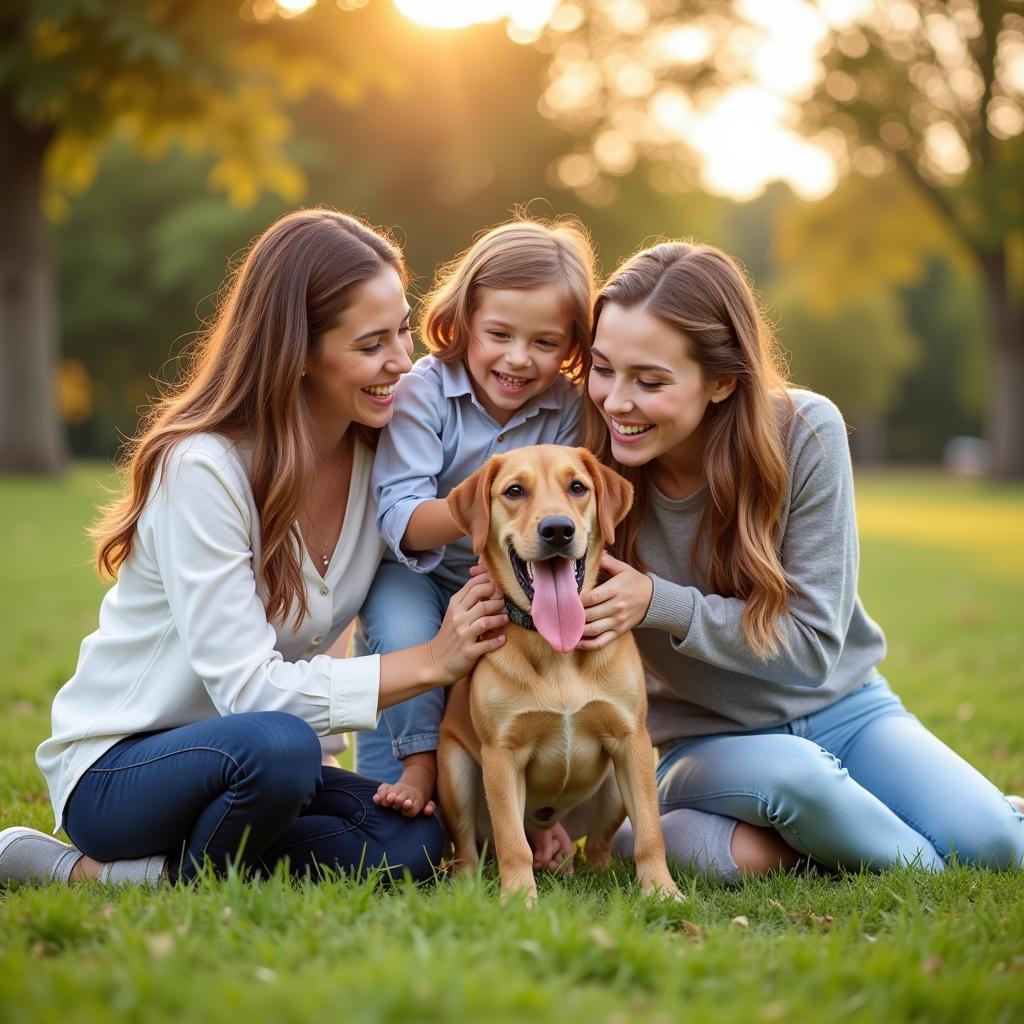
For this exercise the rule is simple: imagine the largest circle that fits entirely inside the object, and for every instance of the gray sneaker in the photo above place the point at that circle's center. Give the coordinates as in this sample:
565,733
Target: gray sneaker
30,856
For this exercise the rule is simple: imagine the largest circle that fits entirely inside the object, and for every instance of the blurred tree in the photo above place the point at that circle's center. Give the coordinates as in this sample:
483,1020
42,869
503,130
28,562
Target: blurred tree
457,150
929,90
856,353
943,395
934,90
74,73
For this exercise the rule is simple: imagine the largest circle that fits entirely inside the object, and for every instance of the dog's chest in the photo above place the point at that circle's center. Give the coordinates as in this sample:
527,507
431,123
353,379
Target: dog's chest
562,740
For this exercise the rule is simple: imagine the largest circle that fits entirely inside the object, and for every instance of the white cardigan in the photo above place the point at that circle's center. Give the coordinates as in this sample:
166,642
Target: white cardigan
183,634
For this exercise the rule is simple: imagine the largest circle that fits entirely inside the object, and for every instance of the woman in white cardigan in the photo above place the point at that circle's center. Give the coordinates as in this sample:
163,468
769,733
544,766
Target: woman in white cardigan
243,546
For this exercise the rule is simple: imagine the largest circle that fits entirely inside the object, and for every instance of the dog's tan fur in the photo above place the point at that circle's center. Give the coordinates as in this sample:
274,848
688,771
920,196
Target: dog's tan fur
535,728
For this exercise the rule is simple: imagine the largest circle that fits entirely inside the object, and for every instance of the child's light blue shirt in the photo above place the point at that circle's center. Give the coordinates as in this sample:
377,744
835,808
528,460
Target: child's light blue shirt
438,436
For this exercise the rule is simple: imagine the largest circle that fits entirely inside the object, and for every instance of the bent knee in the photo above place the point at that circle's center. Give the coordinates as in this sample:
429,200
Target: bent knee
801,775
285,752
997,845
289,738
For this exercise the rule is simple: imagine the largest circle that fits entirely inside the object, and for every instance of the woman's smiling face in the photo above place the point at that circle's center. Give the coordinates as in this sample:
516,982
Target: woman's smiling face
351,375
650,392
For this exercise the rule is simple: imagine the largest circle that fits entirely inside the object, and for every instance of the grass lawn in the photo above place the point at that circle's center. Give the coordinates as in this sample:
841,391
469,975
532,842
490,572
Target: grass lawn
942,570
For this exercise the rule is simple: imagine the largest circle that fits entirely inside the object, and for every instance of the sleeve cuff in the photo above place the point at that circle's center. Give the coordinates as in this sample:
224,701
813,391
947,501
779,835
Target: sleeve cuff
422,561
670,610
393,527
355,693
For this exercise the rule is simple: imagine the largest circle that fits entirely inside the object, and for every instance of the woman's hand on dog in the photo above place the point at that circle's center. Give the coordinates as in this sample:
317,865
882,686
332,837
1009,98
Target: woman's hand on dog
465,635
617,605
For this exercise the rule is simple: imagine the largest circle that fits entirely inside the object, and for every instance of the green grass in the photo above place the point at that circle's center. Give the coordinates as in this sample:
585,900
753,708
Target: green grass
942,569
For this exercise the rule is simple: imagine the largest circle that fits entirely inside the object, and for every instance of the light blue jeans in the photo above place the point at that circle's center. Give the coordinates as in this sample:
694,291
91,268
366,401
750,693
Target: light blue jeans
403,608
861,782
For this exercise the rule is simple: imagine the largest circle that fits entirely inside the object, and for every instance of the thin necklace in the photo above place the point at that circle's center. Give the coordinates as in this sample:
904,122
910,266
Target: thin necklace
325,555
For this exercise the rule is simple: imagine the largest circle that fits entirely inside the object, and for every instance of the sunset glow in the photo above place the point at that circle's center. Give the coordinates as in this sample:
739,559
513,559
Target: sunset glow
529,15
743,136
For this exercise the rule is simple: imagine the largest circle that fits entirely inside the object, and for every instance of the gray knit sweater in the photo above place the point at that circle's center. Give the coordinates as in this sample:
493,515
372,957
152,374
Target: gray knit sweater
702,677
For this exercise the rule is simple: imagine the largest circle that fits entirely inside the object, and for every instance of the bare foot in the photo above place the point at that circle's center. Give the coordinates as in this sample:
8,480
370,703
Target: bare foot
757,851
411,793
553,850
84,868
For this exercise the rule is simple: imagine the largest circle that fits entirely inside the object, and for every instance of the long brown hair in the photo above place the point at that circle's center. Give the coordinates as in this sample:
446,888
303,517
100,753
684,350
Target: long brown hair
701,292
244,381
520,254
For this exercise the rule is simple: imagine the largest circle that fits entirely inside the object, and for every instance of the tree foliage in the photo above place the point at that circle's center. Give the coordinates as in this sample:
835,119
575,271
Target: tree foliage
212,76
929,92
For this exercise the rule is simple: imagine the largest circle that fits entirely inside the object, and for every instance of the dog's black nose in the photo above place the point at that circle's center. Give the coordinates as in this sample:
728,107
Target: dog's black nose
556,530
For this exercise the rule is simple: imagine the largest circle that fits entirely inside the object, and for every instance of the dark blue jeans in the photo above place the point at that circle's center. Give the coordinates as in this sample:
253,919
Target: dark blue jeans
246,789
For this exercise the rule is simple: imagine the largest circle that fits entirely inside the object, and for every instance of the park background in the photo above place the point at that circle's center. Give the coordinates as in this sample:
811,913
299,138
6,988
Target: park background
864,160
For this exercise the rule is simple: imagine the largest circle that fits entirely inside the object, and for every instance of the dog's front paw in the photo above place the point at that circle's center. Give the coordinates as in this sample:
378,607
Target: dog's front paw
664,888
520,889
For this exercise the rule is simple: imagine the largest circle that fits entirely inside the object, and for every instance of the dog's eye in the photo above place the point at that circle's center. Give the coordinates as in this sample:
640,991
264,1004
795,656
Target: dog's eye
577,488
515,491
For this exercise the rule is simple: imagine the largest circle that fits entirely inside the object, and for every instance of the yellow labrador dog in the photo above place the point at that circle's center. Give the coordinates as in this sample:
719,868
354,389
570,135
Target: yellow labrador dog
545,732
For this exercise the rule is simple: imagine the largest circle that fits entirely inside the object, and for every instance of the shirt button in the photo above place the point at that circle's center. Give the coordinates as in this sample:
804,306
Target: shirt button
501,437
318,638
324,591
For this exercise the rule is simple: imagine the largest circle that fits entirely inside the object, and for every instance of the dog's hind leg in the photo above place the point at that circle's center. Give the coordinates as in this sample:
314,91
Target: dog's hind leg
598,818
460,790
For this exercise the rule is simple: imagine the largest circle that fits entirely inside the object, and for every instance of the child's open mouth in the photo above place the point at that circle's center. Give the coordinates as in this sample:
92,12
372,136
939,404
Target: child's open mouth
513,385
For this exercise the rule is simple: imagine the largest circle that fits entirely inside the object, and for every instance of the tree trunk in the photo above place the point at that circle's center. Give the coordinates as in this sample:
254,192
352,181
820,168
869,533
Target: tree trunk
31,436
1005,420
869,440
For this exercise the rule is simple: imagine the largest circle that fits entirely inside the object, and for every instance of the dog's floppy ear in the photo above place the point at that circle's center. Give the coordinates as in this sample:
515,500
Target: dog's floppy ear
470,503
613,493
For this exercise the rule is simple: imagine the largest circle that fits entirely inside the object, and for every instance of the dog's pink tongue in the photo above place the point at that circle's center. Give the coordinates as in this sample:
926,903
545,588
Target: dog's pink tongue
557,609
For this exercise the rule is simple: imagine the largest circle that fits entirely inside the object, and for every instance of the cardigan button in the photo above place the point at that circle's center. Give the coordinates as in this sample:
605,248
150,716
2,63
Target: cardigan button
318,638
324,591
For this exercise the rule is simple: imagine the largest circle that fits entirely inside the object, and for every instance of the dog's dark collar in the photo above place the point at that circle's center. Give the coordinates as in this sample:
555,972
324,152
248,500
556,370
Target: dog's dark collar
518,616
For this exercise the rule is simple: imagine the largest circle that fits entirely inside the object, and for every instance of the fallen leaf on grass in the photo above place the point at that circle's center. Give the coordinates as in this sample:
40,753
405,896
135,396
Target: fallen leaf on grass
601,938
823,921
741,921
696,930
159,945
932,964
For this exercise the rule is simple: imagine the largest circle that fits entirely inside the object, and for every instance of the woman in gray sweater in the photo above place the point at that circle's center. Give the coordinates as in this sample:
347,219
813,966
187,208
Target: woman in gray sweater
739,572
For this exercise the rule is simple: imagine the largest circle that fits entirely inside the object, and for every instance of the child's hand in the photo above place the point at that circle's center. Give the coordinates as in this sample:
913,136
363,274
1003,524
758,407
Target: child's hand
617,605
553,850
411,793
